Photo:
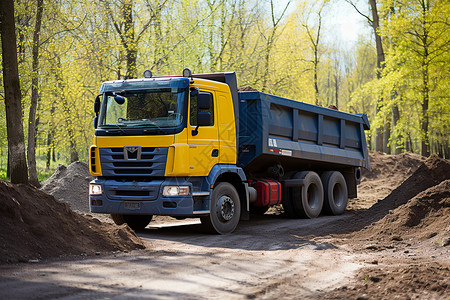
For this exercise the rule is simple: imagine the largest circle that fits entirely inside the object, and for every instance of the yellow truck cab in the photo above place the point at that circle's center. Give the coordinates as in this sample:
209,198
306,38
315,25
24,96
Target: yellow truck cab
160,148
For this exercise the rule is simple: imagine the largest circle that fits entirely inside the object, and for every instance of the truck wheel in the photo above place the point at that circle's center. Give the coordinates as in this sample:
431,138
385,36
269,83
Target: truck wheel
335,193
136,222
310,202
225,209
118,219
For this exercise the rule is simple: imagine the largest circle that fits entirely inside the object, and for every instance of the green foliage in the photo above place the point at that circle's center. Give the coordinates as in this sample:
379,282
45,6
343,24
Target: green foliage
415,78
84,43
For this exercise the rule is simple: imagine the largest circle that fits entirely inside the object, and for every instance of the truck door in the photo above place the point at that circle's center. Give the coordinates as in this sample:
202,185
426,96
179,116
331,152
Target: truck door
203,143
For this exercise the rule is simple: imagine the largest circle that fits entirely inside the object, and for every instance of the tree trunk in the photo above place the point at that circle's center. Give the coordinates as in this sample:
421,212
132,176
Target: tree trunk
11,83
73,152
425,138
54,152
386,137
446,149
395,118
379,139
316,81
130,43
49,148
50,136
160,52
336,89
31,151
425,82
380,65
8,165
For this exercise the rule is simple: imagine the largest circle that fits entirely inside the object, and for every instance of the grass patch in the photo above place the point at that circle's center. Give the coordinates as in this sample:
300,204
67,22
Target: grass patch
3,174
42,171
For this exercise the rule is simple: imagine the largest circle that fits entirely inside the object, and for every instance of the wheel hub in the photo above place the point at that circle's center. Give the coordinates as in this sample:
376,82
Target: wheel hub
225,208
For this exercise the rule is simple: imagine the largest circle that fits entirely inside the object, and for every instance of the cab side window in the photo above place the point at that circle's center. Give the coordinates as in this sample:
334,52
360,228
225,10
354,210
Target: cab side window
193,110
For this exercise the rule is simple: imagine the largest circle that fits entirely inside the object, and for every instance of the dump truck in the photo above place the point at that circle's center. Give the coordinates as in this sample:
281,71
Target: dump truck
193,146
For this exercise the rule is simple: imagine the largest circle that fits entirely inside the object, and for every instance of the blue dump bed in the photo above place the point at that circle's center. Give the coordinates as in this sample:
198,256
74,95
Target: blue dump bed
297,135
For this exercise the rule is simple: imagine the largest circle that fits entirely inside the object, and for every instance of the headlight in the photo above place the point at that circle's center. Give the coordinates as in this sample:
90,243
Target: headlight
176,190
95,189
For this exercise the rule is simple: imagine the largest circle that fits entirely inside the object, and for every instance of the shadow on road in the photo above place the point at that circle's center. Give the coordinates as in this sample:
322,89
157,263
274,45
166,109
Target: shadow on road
262,233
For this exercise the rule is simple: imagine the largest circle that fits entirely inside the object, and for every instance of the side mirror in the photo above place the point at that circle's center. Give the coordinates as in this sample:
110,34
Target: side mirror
97,104
95,122
203,119
204,101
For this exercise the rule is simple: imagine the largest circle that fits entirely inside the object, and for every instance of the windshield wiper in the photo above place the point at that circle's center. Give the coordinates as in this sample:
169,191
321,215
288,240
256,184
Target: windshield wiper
118,127
153,125
148,123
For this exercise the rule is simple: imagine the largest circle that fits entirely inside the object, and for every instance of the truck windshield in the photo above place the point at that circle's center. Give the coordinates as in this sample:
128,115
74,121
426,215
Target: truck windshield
160,108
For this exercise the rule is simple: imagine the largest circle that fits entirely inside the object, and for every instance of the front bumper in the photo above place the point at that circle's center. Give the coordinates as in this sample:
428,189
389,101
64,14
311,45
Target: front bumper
145,197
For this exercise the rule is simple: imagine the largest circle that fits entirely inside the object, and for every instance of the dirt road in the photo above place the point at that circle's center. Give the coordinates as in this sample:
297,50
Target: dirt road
398,247
185,263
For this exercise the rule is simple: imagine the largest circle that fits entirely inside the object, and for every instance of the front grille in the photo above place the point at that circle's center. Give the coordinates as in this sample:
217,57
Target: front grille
133,190
131,164
150,162
132,193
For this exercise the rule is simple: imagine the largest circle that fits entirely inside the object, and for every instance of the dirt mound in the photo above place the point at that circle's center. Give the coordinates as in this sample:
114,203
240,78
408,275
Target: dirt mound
424,216
35,226
398,281
70,184
385,165
402,233
247,89
429,174
432,172
387,172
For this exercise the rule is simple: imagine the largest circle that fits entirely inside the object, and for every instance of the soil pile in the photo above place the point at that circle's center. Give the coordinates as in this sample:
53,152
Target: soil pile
70,184
432,172
426,215
385,165
403,281
429,174
387,172
407,236
33,226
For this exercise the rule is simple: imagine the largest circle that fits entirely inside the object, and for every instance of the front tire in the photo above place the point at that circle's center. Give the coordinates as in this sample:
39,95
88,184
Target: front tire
136,222
225,210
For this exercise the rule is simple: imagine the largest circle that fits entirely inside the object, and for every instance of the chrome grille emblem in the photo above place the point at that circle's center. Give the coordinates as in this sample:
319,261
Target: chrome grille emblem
132,152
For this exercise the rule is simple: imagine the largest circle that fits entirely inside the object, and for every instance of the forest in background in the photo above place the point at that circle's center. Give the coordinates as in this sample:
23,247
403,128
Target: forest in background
399,75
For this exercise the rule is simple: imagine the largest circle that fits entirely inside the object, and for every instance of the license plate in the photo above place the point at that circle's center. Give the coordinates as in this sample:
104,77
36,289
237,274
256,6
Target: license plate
132,205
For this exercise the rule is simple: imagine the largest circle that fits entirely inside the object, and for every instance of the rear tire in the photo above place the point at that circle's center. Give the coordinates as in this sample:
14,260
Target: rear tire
225,210
136,222
335,193
310,201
